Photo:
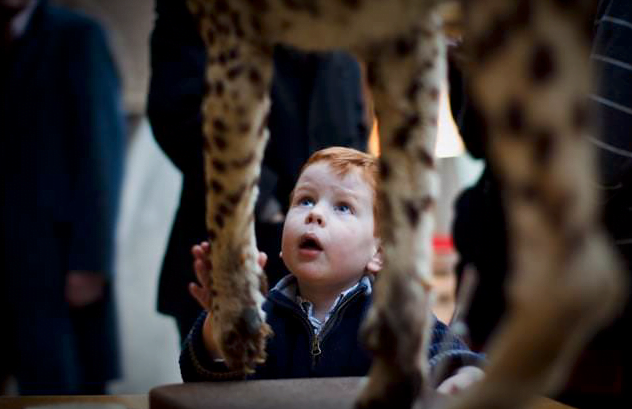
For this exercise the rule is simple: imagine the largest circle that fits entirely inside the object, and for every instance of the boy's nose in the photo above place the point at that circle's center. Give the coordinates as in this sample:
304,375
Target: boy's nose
315,217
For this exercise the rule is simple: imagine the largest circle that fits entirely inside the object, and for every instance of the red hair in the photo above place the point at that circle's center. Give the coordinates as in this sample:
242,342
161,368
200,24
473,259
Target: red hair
342,161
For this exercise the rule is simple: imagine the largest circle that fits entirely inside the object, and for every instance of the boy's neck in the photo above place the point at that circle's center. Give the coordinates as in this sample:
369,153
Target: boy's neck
322,299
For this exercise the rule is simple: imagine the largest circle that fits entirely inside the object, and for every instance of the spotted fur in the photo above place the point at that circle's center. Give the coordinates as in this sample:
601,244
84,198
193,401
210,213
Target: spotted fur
529,76
567,281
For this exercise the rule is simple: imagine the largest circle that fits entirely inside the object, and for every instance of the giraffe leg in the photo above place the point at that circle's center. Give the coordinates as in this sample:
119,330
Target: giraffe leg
238,77
530,76
405,76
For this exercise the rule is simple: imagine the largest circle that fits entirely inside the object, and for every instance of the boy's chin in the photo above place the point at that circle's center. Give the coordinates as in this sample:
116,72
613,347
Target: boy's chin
308,275
316,275
323,279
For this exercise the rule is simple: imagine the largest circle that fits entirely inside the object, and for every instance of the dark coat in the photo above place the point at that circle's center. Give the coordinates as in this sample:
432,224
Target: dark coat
61,158
316,102
295,352
612,98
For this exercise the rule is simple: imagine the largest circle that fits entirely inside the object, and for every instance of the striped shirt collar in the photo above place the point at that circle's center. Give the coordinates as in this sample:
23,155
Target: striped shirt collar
288,286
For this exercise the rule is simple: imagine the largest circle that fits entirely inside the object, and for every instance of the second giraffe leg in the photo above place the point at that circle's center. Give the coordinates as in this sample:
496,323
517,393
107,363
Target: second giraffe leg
532,82
405,76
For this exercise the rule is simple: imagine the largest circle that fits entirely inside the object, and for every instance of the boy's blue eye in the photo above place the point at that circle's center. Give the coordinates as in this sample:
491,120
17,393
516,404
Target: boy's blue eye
306,201
343,207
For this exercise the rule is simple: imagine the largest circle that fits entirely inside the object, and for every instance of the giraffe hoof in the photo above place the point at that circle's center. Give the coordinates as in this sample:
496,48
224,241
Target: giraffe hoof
398,390
244,344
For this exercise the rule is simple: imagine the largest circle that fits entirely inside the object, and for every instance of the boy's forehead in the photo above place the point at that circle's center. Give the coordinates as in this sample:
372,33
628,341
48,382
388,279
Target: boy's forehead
321,173
316,170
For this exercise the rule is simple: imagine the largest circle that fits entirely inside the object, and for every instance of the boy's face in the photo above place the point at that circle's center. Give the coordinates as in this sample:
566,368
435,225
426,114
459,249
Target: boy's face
328,236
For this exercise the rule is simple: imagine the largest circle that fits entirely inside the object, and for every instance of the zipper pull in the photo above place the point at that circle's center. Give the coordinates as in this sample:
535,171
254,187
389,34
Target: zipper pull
316,347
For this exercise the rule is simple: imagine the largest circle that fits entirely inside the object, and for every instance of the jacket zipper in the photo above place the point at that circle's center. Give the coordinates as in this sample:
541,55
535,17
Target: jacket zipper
315,350
318,339
315,345
315,340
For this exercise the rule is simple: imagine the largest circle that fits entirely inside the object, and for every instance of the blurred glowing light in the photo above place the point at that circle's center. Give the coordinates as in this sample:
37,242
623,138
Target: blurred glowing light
449,143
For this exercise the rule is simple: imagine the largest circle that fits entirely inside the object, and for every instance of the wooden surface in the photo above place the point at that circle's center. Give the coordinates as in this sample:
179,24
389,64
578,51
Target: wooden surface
322,393
128,401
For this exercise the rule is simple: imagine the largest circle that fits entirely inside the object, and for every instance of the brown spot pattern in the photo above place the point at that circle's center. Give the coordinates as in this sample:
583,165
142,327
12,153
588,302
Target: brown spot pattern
543,145
413,89
244,128
223,209
542,67
220,142
491,41
414,207
219,220
528,192
243,162
219,88
352,4
254,76
372,73
579,116
218,165
404,132
221,6
235,72
426,158
235,197
220,125
216,186
405,46
385,169
514,116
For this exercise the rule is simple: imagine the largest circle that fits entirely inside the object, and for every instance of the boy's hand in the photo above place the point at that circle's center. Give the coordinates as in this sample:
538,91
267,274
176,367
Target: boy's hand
201,293
202,268
464,378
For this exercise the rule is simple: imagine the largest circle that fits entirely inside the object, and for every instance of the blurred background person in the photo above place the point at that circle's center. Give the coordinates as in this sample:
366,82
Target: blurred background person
61,161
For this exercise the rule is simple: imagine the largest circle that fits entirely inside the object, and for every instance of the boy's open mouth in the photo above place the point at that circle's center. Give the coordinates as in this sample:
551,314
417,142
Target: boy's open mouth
309,243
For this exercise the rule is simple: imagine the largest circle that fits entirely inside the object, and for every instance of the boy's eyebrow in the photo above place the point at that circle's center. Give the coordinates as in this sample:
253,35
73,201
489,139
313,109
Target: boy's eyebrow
303,186
350,195
308,185
298,189
347,192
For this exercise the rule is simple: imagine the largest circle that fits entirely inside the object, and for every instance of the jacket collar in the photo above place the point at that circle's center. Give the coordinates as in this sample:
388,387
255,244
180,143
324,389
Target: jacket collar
285,291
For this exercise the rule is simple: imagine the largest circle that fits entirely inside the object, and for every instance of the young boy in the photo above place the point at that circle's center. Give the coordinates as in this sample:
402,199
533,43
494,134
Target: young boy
330,245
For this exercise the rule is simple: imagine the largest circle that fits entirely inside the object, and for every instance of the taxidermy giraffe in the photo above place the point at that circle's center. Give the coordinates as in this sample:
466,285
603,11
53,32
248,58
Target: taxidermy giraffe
528,70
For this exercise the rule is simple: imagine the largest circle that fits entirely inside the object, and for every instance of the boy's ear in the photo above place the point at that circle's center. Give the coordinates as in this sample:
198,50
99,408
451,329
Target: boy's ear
377,261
